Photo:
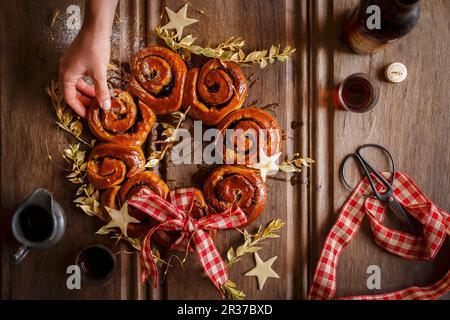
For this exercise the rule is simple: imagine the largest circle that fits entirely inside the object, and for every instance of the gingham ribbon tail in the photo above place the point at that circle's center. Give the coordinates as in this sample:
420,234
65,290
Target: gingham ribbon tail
436,226
175,216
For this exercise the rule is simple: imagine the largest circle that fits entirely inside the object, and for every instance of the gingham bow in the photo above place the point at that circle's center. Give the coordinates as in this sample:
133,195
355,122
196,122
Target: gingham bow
175,216
436,225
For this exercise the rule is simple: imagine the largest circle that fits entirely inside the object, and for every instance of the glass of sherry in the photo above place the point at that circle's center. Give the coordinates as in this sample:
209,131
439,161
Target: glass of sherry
97,263
357,93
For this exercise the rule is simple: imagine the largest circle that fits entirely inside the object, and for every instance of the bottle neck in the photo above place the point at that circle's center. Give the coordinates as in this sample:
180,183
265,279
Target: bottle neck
406,5
395,7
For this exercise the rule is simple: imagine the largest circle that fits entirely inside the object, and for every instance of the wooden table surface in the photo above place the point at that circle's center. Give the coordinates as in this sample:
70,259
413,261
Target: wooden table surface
412,119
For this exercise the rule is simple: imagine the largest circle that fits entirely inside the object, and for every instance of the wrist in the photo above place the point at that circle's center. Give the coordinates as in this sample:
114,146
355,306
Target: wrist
99,17
96,27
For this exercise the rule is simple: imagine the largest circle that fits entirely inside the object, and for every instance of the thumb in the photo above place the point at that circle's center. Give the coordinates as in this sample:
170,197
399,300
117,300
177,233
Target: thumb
102,91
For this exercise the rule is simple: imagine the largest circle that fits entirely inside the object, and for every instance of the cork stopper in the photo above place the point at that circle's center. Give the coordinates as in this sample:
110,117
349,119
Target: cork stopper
396,72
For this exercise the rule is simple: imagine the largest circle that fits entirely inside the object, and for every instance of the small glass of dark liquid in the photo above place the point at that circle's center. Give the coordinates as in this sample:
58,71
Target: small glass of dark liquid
357,93
97,263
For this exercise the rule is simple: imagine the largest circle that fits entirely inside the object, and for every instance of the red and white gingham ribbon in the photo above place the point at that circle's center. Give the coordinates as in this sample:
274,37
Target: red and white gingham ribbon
436,225
175,216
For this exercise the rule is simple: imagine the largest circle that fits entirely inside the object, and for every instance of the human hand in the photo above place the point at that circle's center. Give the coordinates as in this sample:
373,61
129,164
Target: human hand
88,55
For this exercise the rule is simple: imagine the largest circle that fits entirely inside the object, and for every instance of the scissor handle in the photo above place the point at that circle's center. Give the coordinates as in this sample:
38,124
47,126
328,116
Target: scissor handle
368,170
387,184
342,170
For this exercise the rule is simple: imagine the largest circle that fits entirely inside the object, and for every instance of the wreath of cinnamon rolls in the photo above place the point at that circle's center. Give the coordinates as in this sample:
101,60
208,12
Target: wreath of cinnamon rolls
214,93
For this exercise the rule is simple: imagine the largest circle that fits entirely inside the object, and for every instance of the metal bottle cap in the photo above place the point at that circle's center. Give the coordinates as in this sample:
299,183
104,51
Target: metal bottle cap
396,72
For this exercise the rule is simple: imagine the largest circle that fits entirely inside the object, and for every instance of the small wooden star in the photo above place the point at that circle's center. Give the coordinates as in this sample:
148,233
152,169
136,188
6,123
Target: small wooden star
266,165
179,20
263,270
119,219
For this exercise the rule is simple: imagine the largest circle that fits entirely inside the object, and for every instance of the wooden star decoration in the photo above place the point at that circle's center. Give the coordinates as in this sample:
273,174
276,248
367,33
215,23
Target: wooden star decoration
179,20
119,219
263,270
266,165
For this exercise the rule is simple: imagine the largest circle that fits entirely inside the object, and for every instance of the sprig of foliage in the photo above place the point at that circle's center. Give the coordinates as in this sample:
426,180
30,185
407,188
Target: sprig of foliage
137,244
170,135
229,50
56,14
157,257
88,196
230,290
134,242
295,163
67,121
232,44
253,242
263,57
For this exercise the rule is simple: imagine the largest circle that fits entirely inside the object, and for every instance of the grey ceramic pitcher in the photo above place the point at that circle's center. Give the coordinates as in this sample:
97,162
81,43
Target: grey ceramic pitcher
44,199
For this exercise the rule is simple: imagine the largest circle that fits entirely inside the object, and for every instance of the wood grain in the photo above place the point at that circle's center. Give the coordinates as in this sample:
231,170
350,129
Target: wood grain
30,52
274,85
412,119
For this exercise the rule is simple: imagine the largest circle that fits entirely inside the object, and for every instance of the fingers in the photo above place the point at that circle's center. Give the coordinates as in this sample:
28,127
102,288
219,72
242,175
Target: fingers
85,88
86,101
70,95
101,90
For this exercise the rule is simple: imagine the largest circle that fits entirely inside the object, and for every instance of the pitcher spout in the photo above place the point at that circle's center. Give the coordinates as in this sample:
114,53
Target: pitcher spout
41,198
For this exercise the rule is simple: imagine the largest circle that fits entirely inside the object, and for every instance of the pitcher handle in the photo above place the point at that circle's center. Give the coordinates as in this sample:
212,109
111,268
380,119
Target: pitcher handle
20,254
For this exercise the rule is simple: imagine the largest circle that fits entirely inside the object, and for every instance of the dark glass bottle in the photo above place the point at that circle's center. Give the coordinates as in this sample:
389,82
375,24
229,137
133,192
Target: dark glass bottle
397,17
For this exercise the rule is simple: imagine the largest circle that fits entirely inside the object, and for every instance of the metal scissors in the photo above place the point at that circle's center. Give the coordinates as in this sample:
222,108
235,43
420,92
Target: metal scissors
370,172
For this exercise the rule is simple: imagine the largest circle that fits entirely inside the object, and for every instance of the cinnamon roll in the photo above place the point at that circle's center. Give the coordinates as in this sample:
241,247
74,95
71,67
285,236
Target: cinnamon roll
115,197
214,91
143,180
110,163
147,180
124,123
109,198
244,133
158,79
240,186
200,209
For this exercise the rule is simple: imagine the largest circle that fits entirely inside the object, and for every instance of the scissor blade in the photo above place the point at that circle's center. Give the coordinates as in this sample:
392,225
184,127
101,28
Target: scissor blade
397,209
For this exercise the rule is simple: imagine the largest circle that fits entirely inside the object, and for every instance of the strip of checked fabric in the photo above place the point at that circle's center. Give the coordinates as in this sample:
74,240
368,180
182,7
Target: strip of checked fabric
175,216
436,226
